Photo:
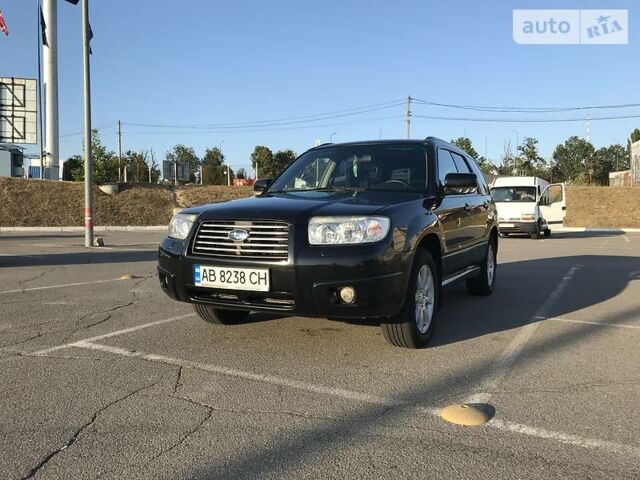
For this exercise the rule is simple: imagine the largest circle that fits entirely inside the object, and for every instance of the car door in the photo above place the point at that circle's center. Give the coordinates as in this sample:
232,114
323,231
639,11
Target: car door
553,204
472,205
453,217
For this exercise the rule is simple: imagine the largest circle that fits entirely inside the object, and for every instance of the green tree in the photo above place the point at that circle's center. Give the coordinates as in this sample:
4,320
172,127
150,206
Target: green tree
241,173
184,155
573,161
529,162
281,160
609,159
635,135
261,161
72,163
214,170
105,163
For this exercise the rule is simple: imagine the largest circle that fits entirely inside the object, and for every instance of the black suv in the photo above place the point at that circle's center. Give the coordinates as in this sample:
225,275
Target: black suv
353,230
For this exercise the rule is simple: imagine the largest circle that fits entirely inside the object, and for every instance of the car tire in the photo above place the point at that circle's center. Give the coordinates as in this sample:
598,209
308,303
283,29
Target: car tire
220,317
536,235
413,326
547,233
484,283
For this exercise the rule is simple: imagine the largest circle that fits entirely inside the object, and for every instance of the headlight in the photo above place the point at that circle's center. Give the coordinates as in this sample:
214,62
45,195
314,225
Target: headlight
180,225
347,230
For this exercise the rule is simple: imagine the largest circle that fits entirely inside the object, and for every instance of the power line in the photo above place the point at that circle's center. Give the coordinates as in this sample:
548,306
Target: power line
280,122
525,120
485,108
270,129
80,132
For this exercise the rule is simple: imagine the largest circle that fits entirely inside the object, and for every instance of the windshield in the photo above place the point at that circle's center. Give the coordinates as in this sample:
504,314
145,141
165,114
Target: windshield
514,194
357,168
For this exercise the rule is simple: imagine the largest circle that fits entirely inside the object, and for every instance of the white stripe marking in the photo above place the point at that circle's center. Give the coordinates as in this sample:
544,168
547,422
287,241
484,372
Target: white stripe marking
566,438
22,290
230,372
586,322
46,351
626,239
508,357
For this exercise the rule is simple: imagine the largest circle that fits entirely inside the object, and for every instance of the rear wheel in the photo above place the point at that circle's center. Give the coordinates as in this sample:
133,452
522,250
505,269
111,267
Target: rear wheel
221,317
536,235
413,326
547,233
483,284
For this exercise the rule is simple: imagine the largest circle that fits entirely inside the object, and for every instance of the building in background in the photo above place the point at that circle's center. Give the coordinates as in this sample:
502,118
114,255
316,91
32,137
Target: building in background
11,161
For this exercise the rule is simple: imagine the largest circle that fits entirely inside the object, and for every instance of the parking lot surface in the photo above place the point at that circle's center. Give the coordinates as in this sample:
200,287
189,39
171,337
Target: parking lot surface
105,377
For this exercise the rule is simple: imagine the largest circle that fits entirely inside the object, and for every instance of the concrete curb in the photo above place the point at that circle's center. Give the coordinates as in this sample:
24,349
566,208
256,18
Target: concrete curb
153,228
594,229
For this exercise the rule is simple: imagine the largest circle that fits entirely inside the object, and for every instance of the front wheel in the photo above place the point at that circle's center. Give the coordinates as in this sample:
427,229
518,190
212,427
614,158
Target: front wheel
221,317
413,326
483,284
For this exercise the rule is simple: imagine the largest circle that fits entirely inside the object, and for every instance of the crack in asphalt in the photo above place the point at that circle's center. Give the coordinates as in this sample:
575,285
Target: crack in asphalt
22,282
78,432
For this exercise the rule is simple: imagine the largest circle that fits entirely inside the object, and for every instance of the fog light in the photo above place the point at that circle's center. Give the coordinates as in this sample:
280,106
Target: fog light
347,294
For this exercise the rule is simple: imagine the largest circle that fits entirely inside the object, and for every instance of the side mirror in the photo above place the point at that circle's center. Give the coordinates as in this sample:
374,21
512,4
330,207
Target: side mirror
261,184
460,183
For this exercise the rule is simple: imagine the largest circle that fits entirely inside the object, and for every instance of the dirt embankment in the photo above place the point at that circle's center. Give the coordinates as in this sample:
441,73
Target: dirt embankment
603,207
37,203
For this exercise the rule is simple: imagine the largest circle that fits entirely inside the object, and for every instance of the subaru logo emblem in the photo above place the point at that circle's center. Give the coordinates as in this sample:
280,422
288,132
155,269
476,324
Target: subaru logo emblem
238,235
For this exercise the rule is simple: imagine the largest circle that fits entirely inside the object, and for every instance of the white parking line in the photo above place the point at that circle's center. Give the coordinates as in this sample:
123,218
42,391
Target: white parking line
561,437
566,438
508,357
46,351
63,285
230,372
586,322
626,239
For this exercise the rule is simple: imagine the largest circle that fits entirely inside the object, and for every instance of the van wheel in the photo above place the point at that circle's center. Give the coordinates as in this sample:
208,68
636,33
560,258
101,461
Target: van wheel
536,236
547,233
219,317
413,326
483,283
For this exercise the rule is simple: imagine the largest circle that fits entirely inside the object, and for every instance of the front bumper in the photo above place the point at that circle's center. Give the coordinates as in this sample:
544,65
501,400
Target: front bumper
305,284
519,227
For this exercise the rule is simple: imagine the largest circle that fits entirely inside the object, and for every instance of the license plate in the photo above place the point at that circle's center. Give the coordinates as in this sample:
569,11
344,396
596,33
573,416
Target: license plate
231,278
506,225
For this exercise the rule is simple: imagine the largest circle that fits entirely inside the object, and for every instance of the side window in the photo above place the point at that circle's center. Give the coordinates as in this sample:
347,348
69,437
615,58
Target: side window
446,165
482,182
461,163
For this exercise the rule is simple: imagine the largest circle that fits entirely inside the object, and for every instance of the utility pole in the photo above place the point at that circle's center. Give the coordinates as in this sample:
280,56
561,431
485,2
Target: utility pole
175,173
119,151
228,176
50,73
40,113
588,127
88,162
409,116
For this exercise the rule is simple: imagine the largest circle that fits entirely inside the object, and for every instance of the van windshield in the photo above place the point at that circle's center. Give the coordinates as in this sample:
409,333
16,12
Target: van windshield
514,194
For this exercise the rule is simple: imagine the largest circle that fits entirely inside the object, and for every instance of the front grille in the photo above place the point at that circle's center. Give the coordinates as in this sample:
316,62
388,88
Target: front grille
267,239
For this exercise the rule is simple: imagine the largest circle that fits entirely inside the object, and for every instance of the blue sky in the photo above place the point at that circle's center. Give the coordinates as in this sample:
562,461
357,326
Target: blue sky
213,62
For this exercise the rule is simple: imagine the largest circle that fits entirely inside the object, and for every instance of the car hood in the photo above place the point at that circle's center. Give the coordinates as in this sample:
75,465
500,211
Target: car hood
294,207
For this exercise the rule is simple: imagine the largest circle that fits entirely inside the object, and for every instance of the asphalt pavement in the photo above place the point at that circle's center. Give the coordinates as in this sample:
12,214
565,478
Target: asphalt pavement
103,376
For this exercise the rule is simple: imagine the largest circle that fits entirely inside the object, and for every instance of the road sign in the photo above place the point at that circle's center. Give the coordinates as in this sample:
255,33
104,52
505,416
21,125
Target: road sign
18,110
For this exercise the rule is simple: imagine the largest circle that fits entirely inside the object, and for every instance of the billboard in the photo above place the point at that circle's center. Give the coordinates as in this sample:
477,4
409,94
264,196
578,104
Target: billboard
18,110
635,163
169,168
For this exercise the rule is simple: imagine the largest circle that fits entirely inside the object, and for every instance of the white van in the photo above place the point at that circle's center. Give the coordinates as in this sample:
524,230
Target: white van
528,205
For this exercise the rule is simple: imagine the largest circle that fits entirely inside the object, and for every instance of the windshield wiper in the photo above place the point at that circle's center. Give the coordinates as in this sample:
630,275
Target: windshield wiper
320,189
